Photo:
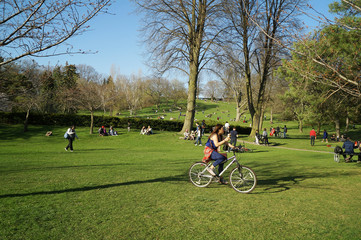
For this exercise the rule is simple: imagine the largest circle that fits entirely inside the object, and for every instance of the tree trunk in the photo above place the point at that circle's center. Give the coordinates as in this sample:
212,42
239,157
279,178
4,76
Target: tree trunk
238,102
261,118
347,124
300,125
271,118
337,126
238,114
191,101
26,122
91,121
318,128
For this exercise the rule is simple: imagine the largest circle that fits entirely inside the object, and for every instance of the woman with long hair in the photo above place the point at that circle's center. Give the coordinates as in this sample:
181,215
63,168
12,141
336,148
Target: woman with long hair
216,140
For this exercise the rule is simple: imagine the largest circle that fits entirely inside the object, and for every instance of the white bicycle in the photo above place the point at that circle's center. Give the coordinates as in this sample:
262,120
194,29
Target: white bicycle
242,178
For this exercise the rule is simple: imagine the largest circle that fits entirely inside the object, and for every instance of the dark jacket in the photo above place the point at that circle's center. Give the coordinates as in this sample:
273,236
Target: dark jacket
348,146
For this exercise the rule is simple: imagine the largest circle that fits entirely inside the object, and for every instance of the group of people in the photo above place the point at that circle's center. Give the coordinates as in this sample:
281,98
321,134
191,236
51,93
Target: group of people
103,131
277,132
313,137
261,137
146,131
195,135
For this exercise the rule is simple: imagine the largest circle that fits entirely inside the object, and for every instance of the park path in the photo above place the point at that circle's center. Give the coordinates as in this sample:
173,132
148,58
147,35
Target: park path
288,148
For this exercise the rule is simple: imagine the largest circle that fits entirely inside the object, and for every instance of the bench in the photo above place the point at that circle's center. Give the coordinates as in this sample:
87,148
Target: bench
336,156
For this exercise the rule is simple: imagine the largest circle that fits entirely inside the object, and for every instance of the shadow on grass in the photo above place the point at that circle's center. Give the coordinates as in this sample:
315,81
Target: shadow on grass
178,178
64,167
271,179
12,132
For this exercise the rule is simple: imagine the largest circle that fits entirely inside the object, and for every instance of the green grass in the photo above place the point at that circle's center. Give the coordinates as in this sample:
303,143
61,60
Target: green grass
136,187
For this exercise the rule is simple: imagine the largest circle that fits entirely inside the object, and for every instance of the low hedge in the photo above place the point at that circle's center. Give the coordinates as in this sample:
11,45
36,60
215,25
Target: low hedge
116,122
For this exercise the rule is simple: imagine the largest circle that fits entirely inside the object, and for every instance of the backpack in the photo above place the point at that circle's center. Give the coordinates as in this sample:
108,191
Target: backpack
66,135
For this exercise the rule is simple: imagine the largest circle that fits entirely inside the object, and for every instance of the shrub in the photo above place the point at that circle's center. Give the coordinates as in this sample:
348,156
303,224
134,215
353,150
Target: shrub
116,122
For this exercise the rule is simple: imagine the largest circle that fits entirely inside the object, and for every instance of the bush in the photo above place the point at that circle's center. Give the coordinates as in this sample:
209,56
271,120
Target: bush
116,122
84,120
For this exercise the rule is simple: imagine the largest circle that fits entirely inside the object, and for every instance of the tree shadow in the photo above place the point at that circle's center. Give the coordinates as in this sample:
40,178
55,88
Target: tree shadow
11,132
64,167
269,182
177,178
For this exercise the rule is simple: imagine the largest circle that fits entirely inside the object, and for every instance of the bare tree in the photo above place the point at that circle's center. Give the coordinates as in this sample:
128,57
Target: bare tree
176,91
156,88
132,89
341,78
235,84
33,27
255,25
180,34
88,98
213,90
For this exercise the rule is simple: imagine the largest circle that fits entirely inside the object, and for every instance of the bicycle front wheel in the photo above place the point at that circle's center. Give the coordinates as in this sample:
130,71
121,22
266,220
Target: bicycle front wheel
199,176
243,179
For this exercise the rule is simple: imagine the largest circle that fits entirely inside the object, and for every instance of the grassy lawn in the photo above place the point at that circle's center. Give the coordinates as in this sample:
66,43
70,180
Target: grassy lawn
136,187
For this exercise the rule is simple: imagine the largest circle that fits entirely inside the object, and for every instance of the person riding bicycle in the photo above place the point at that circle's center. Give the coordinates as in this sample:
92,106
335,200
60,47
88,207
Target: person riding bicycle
215,140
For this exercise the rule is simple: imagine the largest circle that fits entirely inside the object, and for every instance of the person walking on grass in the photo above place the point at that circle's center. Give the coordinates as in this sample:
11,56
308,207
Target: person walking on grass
71,135
313,136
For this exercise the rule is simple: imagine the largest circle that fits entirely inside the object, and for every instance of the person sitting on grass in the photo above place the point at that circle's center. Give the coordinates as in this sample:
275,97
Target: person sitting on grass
112,131
143,130
149,131
102,131
192,135
333,138
348,146
186,135
211,149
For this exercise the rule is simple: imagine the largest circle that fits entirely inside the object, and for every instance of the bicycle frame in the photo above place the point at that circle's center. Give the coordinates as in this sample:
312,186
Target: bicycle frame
234,160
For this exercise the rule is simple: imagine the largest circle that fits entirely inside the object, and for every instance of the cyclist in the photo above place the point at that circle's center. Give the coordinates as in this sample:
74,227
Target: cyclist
216,140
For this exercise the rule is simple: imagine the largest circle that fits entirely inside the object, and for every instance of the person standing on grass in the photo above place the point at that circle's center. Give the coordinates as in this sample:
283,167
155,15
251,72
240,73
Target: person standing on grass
226,128
234,135
325,136
71,137
265,137
199,135
129,126
313,136
285,132
203,125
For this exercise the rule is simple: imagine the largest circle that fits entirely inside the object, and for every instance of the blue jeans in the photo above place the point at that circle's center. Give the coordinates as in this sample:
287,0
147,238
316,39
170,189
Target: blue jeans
218,158
312,140
198,140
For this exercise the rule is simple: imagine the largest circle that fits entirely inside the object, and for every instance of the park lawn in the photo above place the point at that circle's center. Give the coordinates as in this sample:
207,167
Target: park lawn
136,187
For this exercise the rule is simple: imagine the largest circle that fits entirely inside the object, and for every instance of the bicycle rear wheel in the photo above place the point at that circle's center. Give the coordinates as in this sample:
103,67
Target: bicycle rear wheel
243,179
199,176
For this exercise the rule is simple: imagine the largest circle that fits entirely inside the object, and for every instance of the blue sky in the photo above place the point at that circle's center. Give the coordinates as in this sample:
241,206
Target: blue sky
118,42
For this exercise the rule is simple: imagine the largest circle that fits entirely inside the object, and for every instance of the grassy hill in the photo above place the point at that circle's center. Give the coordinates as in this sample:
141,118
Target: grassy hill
136,187
133,186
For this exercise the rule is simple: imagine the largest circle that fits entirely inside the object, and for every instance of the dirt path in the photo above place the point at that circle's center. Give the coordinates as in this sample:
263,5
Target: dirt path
294,149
